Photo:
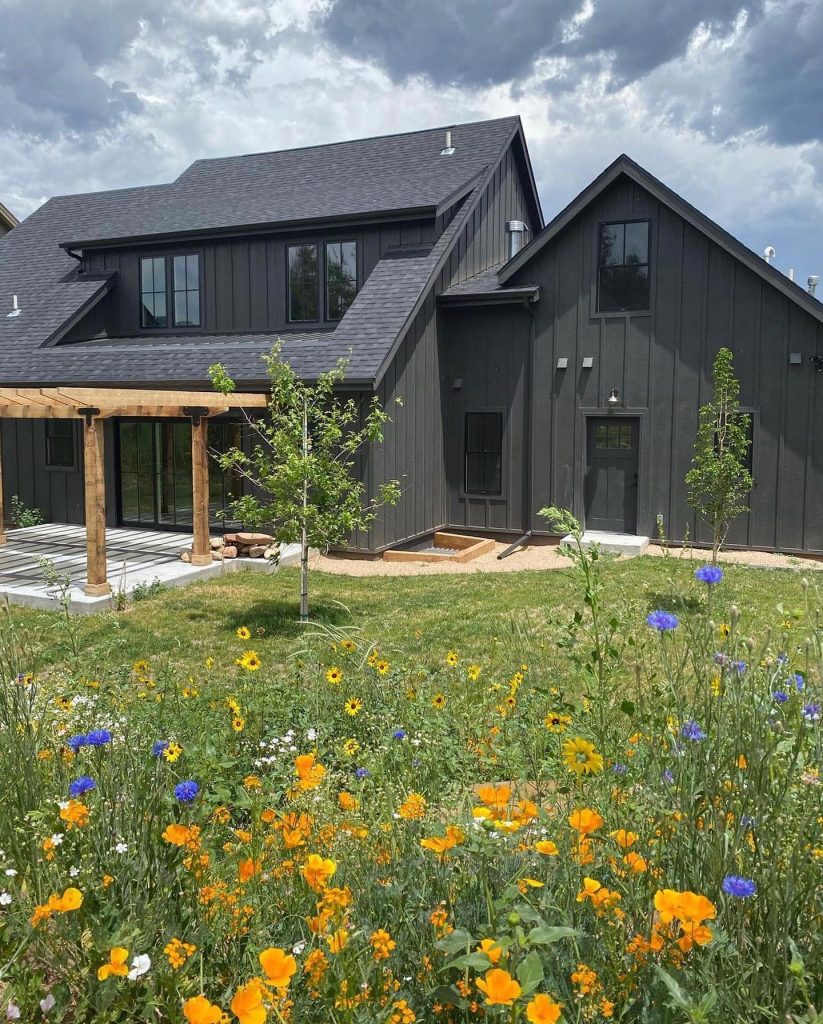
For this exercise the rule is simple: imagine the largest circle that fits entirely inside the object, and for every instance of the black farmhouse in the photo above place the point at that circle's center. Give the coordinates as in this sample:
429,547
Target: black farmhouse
537,363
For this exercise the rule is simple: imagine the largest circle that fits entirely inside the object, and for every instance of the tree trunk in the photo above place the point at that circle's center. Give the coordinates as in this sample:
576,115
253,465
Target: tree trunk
304,540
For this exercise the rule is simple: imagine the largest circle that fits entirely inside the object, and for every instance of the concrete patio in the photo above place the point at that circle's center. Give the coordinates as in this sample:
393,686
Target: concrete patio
133,557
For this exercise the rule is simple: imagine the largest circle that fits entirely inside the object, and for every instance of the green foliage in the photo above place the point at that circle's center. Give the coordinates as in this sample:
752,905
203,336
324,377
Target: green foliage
719,481
21,515
303,461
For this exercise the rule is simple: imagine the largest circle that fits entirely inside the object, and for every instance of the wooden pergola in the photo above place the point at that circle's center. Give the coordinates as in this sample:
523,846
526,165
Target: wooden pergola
94,405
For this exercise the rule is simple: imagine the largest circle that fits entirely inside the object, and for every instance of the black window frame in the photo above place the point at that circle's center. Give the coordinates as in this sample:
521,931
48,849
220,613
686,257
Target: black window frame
68,439
175,291
170,291
485,452
154,291
600,267
326,297
317,297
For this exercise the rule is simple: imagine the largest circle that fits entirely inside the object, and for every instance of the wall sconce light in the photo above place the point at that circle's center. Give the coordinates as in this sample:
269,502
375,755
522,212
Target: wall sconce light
614,398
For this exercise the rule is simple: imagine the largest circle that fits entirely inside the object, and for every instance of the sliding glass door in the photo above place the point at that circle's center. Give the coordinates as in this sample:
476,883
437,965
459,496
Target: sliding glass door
155,487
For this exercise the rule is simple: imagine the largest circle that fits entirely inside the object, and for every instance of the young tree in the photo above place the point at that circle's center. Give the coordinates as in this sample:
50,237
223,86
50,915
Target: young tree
302,462
719,480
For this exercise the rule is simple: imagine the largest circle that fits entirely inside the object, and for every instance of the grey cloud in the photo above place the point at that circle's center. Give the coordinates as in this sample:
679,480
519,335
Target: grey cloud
481,42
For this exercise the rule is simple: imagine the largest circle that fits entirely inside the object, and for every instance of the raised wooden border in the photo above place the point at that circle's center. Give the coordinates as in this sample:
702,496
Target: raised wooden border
469,549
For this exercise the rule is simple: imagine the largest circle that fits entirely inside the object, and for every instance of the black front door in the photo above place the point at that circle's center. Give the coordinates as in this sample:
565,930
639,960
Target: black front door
611,474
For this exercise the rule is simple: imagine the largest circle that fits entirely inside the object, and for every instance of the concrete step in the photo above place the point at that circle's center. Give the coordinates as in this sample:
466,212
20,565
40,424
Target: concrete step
626,544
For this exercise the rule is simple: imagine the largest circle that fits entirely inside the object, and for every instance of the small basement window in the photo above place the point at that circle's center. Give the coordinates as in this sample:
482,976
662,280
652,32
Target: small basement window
60,451
484,453
623,266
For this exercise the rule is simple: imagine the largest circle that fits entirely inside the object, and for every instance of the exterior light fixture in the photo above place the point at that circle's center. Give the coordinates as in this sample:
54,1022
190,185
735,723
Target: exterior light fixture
614,398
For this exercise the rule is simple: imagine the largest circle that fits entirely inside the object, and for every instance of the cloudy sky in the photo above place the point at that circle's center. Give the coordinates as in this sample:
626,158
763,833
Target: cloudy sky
723,100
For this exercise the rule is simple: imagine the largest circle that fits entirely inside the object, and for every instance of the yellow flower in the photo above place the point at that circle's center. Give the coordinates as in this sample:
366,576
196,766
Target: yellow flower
382,944
543,1010
439,701
491,949
75,813
499,988
317,871
172,752
198,1010
250,661
413,807
585,820
116,966
238,723
350,747
349,646
244,633
353,706
247,1004
546,847
382,666
178,952
556,723
209,663
278,966
473,672
580,757
334,675
452,658
338,940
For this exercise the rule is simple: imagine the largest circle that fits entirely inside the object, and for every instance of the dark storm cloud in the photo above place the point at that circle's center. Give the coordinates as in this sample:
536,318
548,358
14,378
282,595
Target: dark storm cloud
482,42
52,53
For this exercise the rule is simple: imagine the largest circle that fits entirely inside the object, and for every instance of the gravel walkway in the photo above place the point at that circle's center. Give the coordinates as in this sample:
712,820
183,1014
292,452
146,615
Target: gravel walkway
540,554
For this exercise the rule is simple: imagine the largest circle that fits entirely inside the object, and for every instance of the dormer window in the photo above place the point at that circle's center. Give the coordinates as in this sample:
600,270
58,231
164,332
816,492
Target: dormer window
170,281
623,267
303,283
341,278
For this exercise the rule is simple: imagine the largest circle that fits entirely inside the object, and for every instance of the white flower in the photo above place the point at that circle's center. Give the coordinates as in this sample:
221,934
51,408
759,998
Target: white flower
57,838
74,872
12,1012
11,872
311,734
121,847
140,965
298,947
5,898
47,1003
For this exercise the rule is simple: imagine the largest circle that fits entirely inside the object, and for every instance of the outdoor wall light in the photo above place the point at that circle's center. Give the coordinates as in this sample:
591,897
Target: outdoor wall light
614,398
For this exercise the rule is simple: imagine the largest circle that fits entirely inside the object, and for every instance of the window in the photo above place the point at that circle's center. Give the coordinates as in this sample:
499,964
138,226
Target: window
613,435
186,291
303,282
623,267
484,448
341,277
60,444
153,292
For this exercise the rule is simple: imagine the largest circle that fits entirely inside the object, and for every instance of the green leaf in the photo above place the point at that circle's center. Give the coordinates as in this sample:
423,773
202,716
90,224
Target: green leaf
530,973
547,935
679,997
477,962
455,941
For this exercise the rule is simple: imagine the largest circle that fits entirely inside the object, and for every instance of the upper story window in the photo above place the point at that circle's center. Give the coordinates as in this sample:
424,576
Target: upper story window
303,281
484,453
170,281
341,277
623,266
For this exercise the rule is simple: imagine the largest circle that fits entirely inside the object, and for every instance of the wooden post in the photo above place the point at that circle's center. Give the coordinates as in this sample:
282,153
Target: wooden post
201,547
2,508
96,580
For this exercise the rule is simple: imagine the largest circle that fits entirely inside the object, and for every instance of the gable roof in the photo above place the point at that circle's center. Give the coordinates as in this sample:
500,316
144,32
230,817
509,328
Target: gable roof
7,217
53,296
624,165
376,177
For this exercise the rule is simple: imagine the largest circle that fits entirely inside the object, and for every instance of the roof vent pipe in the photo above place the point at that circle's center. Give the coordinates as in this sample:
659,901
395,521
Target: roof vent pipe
790,273
516,231
15,309
812,283
449,148
769,253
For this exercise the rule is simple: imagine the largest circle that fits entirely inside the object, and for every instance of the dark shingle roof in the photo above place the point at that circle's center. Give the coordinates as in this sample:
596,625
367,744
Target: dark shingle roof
404,169
486,287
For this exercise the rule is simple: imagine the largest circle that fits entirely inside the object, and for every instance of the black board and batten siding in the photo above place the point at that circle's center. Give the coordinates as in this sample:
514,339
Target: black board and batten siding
660,363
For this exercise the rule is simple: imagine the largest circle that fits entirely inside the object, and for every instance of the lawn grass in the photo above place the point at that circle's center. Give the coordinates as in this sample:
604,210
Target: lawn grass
475,614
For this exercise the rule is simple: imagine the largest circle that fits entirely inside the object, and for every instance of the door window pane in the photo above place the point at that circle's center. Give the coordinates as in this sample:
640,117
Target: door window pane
187,291
302,282
484,453
623,274
153,292
341,277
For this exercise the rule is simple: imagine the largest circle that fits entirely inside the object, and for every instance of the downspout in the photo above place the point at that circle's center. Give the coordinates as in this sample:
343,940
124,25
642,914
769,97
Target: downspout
529,481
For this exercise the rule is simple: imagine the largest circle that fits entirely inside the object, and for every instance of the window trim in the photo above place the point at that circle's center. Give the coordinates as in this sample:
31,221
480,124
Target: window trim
174,291
326,305
596,310
487,411
52,468
141,292
317,293
168,258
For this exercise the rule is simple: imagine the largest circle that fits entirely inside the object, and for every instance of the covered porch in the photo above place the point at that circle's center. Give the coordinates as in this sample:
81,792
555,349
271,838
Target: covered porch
92,555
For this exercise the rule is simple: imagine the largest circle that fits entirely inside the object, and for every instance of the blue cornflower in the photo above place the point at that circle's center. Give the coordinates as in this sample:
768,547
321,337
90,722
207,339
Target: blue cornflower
362,773
662,621
739,667
799,682
82,785
74,743
780,697
739,887
98,737
709,574
747,821
783,659
186,791
399,734
692,731
811,712
619,769
667,776
158,747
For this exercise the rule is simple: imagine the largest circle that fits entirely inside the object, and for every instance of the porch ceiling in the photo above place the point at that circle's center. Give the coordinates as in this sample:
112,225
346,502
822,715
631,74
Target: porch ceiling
65,403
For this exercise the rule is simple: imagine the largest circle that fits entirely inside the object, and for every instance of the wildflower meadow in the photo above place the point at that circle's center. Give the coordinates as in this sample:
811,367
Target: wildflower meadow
362,833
